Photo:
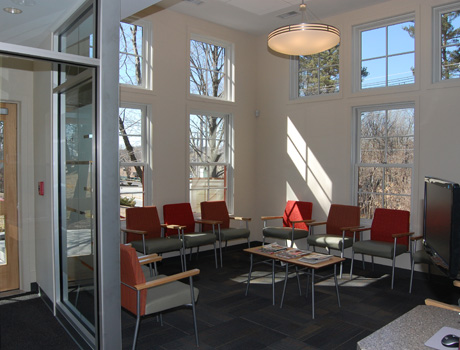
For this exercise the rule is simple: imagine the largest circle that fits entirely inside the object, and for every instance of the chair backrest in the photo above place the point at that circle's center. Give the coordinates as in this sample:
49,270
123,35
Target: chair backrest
215,210
143,219
342,216
131,274
179,214
390,221
295,211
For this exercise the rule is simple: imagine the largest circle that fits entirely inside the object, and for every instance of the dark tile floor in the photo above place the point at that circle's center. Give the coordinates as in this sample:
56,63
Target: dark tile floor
227,319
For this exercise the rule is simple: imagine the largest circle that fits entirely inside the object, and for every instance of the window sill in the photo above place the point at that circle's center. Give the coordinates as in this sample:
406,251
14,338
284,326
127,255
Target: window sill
316,98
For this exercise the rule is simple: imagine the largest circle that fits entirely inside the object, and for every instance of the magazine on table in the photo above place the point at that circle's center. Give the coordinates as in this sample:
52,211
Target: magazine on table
315,258
272,248
293,253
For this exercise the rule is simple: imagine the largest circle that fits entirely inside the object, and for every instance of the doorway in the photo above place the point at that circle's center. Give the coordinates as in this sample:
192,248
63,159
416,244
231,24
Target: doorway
9,255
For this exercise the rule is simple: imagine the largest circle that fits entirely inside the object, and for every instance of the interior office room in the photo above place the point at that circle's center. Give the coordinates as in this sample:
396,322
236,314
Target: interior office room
65,77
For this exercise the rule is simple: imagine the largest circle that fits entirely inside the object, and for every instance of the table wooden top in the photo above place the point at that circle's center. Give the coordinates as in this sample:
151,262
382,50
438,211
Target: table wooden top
258,251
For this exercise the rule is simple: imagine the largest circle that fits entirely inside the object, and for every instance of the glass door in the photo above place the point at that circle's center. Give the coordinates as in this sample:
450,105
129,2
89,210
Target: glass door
9,267
77,193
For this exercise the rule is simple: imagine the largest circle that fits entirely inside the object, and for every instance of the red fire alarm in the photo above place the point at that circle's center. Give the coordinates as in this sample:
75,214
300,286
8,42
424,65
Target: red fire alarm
41,188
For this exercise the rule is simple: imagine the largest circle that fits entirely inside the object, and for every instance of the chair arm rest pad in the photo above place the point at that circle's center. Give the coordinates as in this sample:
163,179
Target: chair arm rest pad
240,218
175,227
456,283
416,238
442,305
351,228
359,229
317,223
270,217
167,279
147,259
399,235
127,230
209,222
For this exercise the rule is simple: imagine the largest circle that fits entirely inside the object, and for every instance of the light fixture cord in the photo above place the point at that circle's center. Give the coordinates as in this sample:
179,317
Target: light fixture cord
303,12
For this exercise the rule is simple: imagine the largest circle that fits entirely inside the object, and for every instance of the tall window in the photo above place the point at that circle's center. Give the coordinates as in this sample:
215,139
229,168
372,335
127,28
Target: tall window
133,57
133,155
386,53
384,158
210,158
210,68
315,74
446,51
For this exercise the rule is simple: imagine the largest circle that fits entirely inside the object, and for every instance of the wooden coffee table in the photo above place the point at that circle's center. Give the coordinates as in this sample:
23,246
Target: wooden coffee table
310,268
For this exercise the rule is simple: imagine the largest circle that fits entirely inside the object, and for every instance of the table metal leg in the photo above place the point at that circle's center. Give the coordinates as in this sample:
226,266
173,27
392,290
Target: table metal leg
298,279
249,276
273,281
336,284
285,283
313,293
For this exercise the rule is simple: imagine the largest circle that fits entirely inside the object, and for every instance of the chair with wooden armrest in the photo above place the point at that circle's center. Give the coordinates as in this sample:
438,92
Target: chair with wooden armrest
216,212
418,257
145,233
296,218
142,294
182,214
338,236
388,226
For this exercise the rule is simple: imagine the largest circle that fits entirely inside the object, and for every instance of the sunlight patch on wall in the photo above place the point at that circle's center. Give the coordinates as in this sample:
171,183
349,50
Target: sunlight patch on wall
319,182
290,193
297,148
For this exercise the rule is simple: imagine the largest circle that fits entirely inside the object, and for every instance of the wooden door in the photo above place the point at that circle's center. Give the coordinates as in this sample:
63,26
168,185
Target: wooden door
9,256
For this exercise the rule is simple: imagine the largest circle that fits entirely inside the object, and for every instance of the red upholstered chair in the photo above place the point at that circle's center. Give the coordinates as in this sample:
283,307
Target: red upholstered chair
216,212
142,294
296,217
181,214
389,237
341,221
145,232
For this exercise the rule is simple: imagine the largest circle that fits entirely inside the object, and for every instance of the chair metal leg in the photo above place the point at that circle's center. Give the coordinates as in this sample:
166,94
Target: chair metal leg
249,274
352,260
192,292
138,319
411,275
298,279
372,257
364,263
220,250
215,255
285,283
336,285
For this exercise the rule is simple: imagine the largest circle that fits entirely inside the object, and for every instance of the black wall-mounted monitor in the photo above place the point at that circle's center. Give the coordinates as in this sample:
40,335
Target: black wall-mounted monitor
441,224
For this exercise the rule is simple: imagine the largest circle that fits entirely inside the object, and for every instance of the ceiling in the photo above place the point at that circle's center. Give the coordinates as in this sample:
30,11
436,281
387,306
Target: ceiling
39,17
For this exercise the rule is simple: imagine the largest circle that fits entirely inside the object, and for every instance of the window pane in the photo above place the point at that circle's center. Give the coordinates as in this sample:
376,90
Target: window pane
329,80
199,176
373,124
130,135
370,179
376,73
401,38
131,54
400,150
217,194
373,43
372,150
450,25
450,62
308,83
368,202
196,197
398,180
397,202
400,122
401,69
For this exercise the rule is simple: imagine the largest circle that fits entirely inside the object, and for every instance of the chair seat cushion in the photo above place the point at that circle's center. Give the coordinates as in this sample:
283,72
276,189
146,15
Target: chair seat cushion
329,241
421,257
158,245
283,233
168,296
228,234
377,248
198,239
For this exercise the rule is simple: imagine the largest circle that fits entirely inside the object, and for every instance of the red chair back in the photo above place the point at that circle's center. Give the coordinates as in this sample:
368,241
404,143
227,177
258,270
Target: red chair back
342,216
143,219
295,211
131,273
215,210
390,221
179,214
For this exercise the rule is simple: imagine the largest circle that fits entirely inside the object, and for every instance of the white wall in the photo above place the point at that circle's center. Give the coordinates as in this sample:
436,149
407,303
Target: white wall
170,105
324,124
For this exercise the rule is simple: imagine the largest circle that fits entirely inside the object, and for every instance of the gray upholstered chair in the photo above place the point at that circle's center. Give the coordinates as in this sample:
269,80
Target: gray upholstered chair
182,214
296,217
341,221
418,257
389,237
217,213
142,294
146,234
